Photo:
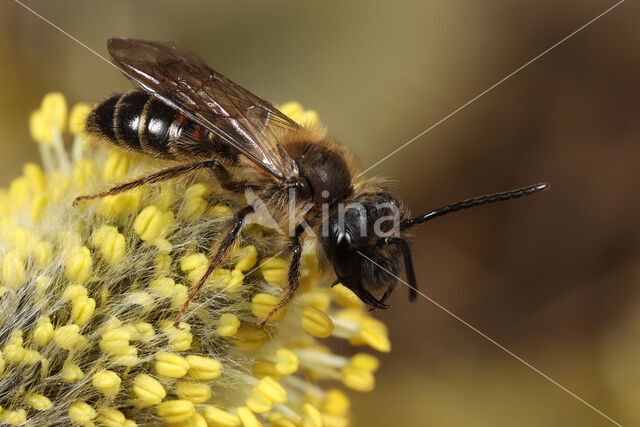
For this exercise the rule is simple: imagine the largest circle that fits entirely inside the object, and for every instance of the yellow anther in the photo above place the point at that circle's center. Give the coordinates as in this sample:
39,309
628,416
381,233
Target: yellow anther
220,211
258,403
319,300
163,245
43,253
79,264
265,368
279,420
171,365
272,390
14,353
179,297
194,265
287,361
111,243
203,368
179,339
107,382
115,167
151,222
14,418
365,361
78,118
30,357
250,337
247,417
291,109
83,170
115,341
162,287
73,292
345,296
68,337
142,299
19,191
262,304
128,357
192,391
228,325
111,417
38,128
357,379
316,322
71,373
39,402
197,190
144,331
81,413
82,309
148,390
221,418
35,177
336,402
13,272
311,417
196,420
247,258
54,110
122,204
165,197
235,281
375,333
275,270
162,263
38,203
175,411
194,207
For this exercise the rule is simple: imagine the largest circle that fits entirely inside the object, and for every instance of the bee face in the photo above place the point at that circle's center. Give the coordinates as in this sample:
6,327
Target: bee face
356,242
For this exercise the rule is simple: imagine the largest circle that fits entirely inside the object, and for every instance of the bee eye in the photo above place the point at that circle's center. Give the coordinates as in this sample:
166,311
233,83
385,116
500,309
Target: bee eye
343,239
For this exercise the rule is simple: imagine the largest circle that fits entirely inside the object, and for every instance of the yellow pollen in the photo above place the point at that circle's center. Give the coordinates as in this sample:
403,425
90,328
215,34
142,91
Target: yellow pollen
311,417
151,222
203,368
228,325
221,418
108,382
148,390
79,264
175,411
39,402
247,417
81,413
78,118
171,365
275,270
316,322
116,167
193,391
111,244
262,304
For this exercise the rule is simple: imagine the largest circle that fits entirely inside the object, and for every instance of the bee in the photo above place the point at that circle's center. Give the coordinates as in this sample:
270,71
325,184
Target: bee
184,111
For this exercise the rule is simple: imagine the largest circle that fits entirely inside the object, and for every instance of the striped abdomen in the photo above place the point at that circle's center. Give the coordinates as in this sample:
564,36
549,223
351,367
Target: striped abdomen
140,122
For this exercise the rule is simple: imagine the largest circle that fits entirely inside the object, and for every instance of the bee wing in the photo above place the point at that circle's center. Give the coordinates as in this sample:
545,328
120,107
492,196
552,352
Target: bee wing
182,80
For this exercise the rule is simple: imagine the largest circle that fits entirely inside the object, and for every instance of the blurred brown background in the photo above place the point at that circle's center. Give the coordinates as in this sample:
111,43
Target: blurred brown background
554,278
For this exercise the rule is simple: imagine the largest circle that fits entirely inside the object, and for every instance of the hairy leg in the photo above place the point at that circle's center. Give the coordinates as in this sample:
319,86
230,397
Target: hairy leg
293,277
215,259
221,174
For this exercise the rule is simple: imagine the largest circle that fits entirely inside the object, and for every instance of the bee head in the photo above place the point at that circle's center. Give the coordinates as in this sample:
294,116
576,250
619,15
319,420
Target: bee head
362,242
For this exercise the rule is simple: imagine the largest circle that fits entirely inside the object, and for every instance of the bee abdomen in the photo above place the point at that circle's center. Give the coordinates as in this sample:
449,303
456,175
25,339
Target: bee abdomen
140,122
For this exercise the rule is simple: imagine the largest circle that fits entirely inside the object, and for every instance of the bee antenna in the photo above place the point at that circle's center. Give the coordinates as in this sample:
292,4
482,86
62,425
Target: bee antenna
469,203
408,264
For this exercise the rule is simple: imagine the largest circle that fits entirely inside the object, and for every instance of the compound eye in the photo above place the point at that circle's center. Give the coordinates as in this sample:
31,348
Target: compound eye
343,239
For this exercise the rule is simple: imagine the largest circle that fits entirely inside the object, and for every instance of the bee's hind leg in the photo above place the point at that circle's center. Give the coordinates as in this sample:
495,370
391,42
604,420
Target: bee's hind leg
215,259
221,174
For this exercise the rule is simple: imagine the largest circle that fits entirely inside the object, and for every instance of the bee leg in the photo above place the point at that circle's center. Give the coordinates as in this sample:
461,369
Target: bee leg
215,259
294,275
219,171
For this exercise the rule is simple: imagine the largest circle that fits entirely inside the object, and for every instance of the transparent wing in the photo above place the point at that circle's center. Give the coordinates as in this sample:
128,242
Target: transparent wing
182,80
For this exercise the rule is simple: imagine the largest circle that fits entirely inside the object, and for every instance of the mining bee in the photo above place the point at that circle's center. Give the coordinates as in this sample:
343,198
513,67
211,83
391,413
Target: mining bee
184,111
